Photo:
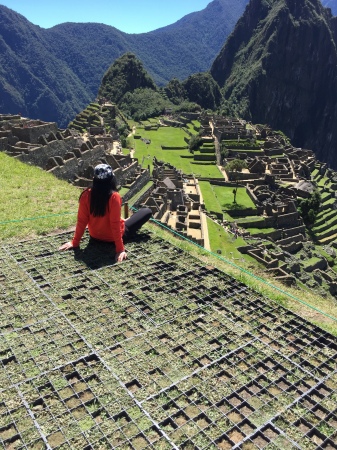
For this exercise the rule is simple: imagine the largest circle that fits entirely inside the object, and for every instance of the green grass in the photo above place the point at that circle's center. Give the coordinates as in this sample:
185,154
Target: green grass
191,128
314,173
325,196
140,193
248,219
209,197
310,261
324,216
196,123
328,223
329,202
123,191
181,159
253,230
27,193
321,180
219,198
225,198
224,241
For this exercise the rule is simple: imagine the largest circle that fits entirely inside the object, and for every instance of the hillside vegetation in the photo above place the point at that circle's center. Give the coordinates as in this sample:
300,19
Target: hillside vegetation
52,74
128,85
33,202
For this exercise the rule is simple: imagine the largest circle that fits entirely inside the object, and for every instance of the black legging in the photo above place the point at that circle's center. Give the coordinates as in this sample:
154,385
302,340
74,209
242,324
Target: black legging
136,221
132,224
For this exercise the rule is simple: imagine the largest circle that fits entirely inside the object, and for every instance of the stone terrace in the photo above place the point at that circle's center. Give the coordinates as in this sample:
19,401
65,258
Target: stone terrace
161,351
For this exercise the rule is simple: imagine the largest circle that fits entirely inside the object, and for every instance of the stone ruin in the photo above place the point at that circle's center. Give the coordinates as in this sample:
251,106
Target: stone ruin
277,175
175,201
66,153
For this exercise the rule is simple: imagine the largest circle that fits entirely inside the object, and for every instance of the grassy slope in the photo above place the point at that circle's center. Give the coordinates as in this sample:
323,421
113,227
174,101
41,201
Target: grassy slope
209,197
256,278
28,192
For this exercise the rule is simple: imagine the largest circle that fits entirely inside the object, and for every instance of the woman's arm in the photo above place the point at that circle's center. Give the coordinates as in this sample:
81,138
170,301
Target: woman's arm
82,218
115,206
82,221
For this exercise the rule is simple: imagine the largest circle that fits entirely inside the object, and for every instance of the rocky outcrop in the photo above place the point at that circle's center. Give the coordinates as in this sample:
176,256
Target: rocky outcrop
279,66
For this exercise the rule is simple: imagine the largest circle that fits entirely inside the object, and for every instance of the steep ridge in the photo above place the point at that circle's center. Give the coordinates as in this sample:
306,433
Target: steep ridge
279,66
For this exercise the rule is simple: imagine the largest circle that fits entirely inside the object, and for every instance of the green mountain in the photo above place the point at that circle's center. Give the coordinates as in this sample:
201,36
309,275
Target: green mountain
33,80
125,75
54,73
279,67
128,85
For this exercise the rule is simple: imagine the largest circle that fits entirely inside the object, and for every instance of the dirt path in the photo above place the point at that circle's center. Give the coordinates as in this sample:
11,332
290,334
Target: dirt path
224,174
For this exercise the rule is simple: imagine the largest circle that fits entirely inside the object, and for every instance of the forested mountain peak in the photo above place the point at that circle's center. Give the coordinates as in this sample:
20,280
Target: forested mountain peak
125,75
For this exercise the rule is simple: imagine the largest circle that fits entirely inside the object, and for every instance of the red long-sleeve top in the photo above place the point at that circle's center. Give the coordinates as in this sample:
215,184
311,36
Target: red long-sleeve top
108,228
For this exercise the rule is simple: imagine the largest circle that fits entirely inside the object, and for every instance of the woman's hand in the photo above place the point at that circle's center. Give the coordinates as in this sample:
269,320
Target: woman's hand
66,246
120,256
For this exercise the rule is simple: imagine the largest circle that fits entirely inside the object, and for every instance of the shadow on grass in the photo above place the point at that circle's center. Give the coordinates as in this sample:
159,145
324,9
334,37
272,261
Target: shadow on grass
203,163
231,206
102,254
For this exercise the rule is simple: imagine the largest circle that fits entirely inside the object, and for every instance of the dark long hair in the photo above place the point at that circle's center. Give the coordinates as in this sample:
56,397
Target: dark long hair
101,192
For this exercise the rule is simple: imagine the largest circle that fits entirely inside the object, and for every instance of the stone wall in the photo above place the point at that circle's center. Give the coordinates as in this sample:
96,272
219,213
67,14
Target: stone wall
288,220
289,240
123,174
243,212
232,176
322,264
32,133
3,143
267,222
142,179
69,169
39,156
273,235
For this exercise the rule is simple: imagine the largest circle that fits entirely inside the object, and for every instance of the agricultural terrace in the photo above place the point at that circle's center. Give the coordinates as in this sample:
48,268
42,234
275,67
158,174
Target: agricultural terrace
180,157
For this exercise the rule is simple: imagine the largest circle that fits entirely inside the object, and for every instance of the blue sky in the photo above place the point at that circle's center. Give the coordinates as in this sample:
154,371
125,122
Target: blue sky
130,16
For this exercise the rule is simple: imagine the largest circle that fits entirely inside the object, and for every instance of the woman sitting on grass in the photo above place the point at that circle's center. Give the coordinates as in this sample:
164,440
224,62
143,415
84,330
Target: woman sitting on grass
100,210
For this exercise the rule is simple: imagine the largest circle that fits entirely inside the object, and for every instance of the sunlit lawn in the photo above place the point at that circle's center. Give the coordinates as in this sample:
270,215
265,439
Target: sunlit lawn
225,197
210,200
33,202
220,198
182,159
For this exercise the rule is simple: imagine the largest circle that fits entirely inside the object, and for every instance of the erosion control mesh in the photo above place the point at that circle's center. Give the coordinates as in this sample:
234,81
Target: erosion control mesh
160,351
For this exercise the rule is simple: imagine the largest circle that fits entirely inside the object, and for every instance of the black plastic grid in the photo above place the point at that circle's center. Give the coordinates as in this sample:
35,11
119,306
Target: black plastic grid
158,352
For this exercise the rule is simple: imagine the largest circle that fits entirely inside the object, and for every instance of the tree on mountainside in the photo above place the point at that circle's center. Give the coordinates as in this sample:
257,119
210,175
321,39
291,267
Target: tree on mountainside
143,103
223,150
202,89
175,91
195,142
309,207
235,166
